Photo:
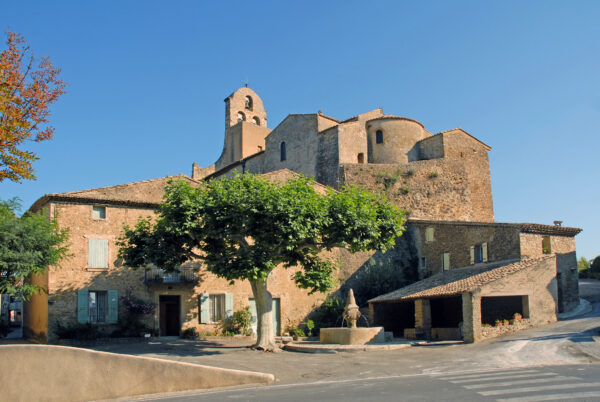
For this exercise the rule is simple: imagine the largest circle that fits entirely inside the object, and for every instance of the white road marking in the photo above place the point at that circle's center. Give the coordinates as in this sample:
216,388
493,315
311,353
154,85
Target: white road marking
520,382
503,377
488,374
553,397
542,388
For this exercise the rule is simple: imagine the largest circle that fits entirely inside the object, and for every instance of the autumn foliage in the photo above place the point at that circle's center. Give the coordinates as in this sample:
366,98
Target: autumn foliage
26,92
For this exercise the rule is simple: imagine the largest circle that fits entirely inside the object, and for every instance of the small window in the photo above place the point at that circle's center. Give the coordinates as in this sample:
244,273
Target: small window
429,235
248,103
546,247
283,153
479,253
379,137
256,120
97,253
98,212
445,261
361,158
423,262
97,307
216,308
241,117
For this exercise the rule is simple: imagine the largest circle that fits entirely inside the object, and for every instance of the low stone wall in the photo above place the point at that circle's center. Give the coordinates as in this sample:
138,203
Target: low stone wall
515,325
59,373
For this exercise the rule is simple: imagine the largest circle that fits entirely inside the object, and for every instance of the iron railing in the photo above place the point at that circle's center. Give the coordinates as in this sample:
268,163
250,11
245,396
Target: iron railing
157,275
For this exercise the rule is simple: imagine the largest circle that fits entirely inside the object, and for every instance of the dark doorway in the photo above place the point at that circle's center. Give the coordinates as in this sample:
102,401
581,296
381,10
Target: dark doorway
446,312
503,308
169,315
394,316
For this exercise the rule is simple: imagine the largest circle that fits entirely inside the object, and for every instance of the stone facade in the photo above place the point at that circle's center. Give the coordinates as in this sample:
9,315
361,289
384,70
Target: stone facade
442,180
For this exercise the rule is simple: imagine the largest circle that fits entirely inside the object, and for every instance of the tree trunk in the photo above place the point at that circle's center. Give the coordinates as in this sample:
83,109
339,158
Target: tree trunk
265,339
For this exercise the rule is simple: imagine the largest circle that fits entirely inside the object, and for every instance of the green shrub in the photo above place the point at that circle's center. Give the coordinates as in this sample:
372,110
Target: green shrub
388,179
310,325
130,327
404,190
189,333
433,175
239,324
82,332
409,172
329,314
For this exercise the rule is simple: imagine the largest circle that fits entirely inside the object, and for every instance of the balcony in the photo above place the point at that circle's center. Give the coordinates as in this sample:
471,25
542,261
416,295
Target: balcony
158,276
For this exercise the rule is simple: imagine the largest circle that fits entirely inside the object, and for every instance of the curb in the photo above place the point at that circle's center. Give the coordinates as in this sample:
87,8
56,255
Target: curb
584,307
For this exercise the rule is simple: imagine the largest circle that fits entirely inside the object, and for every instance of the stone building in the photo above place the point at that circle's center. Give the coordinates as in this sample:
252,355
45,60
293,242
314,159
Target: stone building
442,180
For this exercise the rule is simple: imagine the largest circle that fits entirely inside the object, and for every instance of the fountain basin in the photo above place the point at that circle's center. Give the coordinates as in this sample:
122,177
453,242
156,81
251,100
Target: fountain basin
352,336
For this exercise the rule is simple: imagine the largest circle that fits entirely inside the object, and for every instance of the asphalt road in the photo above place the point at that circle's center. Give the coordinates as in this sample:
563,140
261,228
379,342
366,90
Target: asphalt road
544,383
559,361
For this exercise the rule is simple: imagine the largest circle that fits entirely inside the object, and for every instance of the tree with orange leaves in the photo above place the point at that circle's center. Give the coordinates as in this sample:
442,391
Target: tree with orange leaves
26,93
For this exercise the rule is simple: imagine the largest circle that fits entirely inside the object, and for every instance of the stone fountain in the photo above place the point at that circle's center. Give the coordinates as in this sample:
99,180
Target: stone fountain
352,335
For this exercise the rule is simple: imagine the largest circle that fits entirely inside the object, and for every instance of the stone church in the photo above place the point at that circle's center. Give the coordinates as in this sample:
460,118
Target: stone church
472,270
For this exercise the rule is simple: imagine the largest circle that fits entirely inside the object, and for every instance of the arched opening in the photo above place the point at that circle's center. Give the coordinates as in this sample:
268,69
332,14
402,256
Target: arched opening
379,137
241,117
249,102
256,120
283,155
361,158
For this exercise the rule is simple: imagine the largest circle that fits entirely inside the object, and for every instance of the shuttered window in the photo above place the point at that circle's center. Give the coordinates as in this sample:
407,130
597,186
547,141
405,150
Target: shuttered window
429,235
445,261
215,307
97,306
97,253
98,212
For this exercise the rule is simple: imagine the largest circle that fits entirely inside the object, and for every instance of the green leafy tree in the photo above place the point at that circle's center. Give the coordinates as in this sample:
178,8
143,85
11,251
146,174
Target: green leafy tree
245,226
583,264
28,245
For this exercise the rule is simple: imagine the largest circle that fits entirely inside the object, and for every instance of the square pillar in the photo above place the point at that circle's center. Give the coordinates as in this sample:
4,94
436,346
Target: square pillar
423,318
471,305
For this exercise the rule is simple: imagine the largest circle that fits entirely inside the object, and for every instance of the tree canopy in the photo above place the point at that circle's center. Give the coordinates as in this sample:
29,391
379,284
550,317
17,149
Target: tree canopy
26,93
245,226
28,245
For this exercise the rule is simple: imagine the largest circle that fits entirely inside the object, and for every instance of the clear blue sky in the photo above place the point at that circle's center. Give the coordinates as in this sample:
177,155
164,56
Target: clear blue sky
147,81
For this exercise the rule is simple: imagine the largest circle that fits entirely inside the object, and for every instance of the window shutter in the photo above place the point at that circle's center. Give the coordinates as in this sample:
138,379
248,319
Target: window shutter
82,306
98,253
113,306
204,308
484,252
446,262
229,306
472,251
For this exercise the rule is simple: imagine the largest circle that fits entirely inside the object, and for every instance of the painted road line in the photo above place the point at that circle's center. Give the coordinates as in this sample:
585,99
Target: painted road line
520,382
540,389
485,374
553,397
503,377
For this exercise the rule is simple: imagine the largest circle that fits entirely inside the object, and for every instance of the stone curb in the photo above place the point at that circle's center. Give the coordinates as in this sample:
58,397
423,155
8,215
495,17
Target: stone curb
584,307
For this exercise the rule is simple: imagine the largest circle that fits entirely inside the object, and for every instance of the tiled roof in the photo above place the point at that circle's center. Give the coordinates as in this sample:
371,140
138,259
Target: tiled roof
145,193
457,281
536,228
464,132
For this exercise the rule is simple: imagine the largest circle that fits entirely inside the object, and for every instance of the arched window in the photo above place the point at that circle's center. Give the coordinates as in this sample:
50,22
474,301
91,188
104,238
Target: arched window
283,152
379,137
361,158
256,120
241,117
248,103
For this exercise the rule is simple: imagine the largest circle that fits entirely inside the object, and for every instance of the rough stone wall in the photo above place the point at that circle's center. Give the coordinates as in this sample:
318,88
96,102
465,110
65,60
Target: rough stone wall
73,273
457,238
328,157
299,132
430,189
459,146
538,282
241,141
567,275
198,173
352,141
431,147
400,136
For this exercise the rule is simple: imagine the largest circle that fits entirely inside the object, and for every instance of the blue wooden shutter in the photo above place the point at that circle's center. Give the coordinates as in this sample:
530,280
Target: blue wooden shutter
204,308
97,253
82,306
113,306
229,306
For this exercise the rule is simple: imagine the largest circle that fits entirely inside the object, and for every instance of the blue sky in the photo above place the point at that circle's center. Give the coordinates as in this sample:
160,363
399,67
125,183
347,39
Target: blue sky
147,81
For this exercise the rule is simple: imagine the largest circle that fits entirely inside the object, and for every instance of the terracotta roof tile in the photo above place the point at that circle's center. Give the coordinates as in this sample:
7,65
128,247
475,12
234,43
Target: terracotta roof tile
459,280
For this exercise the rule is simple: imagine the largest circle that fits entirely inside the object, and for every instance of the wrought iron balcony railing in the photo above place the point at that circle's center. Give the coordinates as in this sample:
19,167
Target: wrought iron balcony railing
157,275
